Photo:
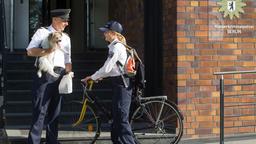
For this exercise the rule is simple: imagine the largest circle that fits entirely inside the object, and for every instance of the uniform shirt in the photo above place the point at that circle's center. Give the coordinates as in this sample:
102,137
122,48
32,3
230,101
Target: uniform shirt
117,52
61,57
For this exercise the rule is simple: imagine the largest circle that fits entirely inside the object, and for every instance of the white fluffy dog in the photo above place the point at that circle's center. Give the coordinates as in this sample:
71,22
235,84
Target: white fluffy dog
45,63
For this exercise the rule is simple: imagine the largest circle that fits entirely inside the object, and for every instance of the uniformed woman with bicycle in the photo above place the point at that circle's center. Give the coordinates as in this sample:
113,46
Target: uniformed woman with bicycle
121,130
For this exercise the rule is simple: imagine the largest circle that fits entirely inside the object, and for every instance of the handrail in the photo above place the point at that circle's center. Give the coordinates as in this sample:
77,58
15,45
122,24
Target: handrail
222,97
234,72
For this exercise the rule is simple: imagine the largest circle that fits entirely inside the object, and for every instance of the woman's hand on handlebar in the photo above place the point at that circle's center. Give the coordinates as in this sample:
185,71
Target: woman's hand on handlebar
89,78
87,82
86,79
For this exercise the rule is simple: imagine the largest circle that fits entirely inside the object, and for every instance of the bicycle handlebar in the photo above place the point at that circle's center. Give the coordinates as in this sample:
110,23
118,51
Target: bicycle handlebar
87,85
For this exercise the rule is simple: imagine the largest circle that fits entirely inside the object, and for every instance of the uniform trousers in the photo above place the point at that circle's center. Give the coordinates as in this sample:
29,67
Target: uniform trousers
46,107
121,132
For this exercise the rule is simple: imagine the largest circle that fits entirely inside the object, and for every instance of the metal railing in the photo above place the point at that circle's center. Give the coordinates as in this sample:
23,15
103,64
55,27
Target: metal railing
222,98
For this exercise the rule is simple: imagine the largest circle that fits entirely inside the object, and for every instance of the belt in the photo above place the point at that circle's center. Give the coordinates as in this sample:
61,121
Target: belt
58,67
114,77
120,76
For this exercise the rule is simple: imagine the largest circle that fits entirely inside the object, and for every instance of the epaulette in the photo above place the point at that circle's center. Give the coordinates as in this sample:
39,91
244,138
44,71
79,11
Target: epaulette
44,28
115,42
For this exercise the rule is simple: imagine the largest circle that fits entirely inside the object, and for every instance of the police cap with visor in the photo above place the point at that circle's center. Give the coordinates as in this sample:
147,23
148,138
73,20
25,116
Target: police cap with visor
61,13
112,25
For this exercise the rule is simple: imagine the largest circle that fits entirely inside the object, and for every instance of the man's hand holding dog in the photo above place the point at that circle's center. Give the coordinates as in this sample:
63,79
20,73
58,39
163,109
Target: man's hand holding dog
35,52
52,49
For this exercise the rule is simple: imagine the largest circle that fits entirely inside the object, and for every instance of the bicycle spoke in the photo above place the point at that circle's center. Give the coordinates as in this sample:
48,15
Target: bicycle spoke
144,128
169,117
149,115
166,114
85,122
158,121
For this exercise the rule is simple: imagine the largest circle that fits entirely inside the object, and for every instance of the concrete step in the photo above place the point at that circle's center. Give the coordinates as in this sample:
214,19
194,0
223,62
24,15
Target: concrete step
27,84
25,95
27,74
77,64
19,80
19,136
21,55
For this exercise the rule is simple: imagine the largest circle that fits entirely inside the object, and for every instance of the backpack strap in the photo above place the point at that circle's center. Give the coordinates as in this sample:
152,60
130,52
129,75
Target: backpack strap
119,65
136,55
129,48
120,69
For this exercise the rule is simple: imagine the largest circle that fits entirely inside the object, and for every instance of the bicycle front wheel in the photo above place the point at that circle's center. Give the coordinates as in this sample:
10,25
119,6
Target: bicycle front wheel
84,121
157,122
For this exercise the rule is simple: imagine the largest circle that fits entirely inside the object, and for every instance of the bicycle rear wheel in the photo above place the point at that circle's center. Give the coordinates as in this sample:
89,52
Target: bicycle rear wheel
86,125
157,122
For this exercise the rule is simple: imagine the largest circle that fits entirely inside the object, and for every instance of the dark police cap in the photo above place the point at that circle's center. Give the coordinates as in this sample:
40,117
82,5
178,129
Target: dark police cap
62,13
112,25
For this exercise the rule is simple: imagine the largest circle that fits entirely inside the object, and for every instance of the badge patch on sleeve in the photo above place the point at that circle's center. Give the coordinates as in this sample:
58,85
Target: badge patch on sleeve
110,54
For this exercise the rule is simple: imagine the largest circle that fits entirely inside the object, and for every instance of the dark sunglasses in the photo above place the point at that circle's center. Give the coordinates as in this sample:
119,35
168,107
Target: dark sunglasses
64,20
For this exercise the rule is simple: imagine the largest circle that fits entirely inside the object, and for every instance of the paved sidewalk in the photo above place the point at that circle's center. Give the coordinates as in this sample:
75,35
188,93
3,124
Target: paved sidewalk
20,136
240,139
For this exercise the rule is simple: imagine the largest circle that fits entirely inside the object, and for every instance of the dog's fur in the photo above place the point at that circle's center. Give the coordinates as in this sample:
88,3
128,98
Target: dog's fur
45,63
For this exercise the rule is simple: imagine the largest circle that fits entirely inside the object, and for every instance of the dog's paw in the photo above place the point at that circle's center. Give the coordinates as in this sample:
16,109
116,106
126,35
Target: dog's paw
56,75
39,74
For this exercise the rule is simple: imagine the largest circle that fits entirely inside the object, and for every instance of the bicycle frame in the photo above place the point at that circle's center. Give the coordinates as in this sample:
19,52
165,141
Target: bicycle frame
164,98
145,99
83,110
141,98
82,114
86,99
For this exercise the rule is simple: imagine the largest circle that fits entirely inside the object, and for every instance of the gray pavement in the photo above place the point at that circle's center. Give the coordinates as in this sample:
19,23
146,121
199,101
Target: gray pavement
238,139
20,136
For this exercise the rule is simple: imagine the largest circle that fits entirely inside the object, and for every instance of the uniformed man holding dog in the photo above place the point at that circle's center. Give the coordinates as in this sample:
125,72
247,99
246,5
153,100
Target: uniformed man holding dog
45,95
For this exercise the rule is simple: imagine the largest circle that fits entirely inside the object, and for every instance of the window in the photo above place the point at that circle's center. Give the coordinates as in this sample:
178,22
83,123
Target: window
19,24
35,15
97,16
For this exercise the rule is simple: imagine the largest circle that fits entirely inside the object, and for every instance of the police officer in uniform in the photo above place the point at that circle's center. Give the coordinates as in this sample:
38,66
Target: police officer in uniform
121,130
46,98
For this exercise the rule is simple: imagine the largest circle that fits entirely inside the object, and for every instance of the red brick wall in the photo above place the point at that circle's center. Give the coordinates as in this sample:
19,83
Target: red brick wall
202,50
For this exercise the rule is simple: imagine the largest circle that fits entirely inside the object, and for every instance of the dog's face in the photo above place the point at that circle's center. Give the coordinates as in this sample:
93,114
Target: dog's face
55,37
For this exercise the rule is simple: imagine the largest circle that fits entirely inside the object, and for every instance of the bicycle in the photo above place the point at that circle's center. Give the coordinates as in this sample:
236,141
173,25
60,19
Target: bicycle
153,117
